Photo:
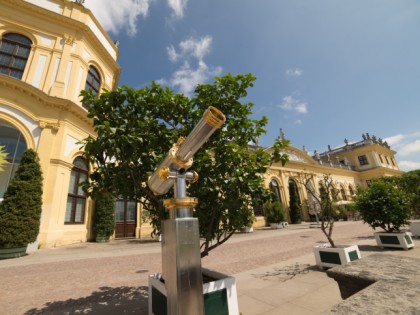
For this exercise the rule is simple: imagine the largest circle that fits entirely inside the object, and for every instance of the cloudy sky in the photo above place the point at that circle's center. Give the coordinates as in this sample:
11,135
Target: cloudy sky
326,70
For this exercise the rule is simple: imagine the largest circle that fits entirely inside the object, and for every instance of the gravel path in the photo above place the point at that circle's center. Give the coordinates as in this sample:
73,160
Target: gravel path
116,282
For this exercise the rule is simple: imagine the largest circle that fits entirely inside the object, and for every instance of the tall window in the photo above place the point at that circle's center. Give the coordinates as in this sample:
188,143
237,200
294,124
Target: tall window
76,198
274,187
343,193
363,160
351,191
14,53
14,145
93,80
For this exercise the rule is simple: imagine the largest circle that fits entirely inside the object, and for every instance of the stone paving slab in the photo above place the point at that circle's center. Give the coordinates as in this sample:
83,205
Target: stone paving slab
111,278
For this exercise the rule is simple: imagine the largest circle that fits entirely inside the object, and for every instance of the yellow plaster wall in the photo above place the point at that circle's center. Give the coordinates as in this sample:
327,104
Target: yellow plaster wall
44,106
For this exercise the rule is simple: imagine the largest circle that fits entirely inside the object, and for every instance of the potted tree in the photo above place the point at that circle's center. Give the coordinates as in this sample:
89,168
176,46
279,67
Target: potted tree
383,205
324,204
20,211
274,214
156,118
410,183
248,219
104,216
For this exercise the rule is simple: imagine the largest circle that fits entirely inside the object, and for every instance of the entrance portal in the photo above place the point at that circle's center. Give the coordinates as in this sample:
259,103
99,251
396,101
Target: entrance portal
125,219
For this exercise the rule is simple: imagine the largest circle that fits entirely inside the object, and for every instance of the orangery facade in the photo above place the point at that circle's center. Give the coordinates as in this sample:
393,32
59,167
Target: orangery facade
50,50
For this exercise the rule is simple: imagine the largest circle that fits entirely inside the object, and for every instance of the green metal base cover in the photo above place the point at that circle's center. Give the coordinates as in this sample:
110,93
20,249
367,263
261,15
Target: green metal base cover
215,303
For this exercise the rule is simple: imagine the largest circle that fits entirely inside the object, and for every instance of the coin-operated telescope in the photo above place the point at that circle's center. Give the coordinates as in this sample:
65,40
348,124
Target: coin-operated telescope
181,261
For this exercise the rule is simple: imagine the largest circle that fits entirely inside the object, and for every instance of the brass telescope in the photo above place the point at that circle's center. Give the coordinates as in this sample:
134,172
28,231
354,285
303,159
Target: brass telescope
181,154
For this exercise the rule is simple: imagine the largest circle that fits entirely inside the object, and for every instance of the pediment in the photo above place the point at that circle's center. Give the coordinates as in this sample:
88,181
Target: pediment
295,155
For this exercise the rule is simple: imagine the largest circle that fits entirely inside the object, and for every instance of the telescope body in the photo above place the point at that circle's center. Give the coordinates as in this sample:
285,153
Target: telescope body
181,154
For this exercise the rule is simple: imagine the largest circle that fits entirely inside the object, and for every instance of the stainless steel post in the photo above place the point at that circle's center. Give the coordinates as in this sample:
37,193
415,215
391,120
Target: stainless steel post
181,261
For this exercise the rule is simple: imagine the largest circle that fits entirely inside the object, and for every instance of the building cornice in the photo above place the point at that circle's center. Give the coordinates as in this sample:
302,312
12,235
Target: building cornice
41,97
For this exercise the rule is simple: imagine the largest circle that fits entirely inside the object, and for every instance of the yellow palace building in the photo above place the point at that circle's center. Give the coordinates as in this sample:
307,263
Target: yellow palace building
350,166
50,50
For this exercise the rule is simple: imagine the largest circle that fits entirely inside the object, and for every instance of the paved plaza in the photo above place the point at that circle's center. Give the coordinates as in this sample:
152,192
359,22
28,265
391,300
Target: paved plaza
274,269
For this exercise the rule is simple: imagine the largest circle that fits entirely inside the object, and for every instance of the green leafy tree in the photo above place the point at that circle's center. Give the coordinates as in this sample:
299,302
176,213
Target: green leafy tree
410,183
3,155
136,128
104,215
295,210
20,211
384,205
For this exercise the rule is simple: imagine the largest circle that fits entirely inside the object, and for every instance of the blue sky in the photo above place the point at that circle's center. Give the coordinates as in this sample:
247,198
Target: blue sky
326,70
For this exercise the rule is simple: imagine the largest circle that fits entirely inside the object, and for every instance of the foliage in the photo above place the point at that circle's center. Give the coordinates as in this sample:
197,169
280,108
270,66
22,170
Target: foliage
322,202
247,216
273,212
384,205
136,128
410,183
3,155
295,210
104,214
20,211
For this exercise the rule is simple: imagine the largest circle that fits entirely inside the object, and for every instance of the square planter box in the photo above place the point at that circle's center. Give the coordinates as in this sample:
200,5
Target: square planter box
394,239
220,296
276,225
328,257
247,229
415,228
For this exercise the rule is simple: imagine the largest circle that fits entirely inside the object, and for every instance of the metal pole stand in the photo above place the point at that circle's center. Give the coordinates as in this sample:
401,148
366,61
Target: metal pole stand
181,258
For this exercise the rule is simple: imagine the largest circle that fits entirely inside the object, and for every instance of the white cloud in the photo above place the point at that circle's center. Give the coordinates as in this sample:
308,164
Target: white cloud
395,140
172,54
409,165
197,48
178,7
191,52
291,104
298,122
410,148
117,15
294,72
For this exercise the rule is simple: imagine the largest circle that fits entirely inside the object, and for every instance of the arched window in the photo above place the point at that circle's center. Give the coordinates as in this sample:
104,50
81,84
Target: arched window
351,191
343,193
293,183
14,53
76,198
274,187
93,80
14,145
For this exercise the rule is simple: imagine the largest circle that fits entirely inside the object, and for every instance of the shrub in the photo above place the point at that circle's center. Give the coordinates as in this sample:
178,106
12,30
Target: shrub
20,211
104,215
295,210
385,206
274,212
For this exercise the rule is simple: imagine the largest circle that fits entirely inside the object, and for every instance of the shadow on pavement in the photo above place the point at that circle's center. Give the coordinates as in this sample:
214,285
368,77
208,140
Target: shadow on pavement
122,300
